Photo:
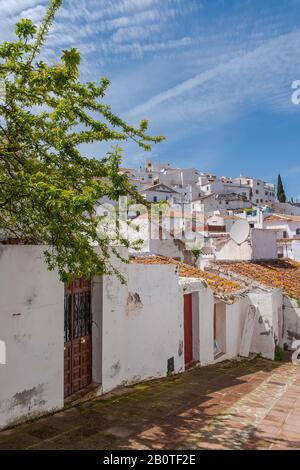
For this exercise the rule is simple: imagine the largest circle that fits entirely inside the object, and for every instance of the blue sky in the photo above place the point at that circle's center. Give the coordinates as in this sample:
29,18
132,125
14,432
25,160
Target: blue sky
213,76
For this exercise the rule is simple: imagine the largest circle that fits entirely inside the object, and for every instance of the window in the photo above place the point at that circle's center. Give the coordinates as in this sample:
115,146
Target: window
257,201
154,198
298,231
256,191
284,234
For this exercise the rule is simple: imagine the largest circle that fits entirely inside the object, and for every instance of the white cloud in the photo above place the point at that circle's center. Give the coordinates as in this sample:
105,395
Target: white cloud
13,7
260,76
34,14
124,35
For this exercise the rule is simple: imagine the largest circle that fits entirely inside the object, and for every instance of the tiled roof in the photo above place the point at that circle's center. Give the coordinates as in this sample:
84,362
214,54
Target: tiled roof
282,218
230,217
288,240
283,273
207,250
220,286
157,187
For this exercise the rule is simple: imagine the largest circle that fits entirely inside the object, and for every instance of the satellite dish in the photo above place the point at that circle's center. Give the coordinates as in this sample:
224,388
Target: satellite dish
240,231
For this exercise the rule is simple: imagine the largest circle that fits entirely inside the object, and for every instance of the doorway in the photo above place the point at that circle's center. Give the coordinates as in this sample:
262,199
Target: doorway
188,331
78,336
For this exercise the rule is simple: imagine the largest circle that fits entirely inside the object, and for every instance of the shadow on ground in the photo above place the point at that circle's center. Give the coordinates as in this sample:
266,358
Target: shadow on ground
197,409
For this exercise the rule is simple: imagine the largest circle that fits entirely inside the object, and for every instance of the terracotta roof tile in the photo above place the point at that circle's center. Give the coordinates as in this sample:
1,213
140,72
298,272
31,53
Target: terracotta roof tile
288,240
282,218
219,285
283,273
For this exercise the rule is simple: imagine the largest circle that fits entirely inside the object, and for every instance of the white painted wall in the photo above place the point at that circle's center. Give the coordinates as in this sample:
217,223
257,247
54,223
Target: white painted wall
142,325
32,327
282,226
291,322
296,250
235,318
202,308
2,352
232,251
206,326
166,248
267,331
263,244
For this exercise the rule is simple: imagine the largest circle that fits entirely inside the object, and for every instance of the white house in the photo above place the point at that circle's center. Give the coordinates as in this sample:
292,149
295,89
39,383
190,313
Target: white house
286,226
261,192
161,192
221,202
95,336
289,248
179,176
260,245
255,190
281,277
61,340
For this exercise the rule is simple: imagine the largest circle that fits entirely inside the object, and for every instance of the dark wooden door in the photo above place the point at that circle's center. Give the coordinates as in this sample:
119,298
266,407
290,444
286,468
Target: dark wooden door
188,330
78,339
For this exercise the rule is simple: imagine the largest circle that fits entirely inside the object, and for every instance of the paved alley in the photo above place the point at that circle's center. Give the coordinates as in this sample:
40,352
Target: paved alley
253,404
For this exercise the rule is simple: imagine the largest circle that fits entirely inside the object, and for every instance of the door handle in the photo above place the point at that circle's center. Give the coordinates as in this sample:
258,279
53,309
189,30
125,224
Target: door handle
82,340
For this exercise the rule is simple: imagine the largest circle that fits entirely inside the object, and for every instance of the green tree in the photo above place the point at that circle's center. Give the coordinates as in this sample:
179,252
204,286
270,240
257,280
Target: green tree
48,188
280,190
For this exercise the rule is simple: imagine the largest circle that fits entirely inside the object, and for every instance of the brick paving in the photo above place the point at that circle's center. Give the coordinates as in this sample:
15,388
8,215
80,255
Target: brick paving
234,405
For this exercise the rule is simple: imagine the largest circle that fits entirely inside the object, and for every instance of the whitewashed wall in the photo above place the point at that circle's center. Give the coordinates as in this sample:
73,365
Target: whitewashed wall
235,319
291,322
32,327
142,325
264,244
281,226
296,250
202,309
232,251
268,327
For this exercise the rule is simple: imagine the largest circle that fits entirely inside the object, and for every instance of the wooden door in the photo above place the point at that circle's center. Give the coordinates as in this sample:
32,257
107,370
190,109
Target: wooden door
188,330
78,336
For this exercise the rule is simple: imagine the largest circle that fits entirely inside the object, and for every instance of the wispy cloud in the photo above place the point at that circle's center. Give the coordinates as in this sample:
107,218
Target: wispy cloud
261,76
192,67
13,7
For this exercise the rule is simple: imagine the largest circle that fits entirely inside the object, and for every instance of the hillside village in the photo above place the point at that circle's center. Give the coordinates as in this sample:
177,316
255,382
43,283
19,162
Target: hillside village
216,277
152,308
